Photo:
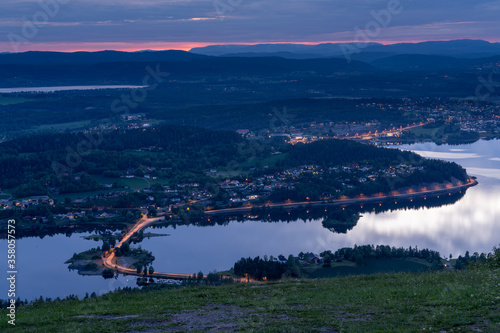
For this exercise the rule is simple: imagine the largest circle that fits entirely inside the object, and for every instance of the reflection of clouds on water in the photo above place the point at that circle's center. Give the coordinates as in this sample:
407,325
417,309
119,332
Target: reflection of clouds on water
491,173
469,224
448,156
466,225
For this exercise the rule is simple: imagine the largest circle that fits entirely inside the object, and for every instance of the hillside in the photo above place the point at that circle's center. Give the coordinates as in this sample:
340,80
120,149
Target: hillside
461,48
105,69
464,301
65,58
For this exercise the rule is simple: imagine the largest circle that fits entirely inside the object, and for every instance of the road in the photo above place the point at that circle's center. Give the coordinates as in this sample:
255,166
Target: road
366,136
348,201
110,260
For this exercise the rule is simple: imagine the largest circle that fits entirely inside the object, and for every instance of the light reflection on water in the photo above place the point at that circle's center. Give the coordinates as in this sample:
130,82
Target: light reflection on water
471,224
42,271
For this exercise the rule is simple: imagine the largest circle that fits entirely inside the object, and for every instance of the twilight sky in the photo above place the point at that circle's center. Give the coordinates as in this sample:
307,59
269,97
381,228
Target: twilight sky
70,25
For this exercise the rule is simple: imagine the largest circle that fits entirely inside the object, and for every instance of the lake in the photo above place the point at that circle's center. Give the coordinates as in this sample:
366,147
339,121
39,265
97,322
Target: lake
472,223
63,88
469,224
42,272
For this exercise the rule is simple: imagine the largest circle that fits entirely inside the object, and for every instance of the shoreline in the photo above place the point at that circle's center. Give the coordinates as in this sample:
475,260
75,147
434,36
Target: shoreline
109,260
346,202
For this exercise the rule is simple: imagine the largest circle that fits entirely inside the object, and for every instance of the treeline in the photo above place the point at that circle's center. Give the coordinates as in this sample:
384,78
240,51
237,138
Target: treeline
359,254
337,152
341,221
259,268
168,137
491,260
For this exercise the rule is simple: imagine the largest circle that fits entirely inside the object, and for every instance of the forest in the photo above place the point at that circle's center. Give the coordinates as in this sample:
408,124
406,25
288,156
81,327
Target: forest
59,164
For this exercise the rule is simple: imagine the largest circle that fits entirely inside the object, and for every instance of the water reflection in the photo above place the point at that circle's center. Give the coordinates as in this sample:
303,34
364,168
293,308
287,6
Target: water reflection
470,223
42,270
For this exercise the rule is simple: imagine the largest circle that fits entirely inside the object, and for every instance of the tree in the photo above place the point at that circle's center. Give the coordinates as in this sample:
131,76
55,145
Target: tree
327,261
458,265
125,247
139,173
139,269
106,246
200,276
152,212
358,258
108,273
437,265
151,270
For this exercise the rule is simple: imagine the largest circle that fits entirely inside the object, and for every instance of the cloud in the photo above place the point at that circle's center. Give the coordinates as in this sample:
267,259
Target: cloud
249,21
443,155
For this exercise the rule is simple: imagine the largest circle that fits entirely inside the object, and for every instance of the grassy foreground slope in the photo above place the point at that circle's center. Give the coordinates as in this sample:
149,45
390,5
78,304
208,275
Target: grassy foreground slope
464,301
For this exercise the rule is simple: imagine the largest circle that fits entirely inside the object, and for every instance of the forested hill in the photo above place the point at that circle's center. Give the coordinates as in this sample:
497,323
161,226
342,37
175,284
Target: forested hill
12,75
181,149
35,163
335,152
168,137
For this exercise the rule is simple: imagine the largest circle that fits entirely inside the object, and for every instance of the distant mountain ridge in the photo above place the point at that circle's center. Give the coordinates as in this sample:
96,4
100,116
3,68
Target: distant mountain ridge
465,48
73,58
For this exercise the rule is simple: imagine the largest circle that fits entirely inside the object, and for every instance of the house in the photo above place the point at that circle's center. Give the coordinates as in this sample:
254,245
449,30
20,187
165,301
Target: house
313,259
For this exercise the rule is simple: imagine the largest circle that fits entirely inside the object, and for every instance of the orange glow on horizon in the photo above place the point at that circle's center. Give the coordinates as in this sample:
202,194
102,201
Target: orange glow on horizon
184,46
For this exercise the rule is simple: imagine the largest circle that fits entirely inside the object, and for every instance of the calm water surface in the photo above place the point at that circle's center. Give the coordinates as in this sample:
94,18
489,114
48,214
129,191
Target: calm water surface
42,272
472,223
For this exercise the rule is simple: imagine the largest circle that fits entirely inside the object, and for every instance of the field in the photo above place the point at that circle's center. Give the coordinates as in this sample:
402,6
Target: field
425,132
134,183
9,100
82,195
64,126
464,301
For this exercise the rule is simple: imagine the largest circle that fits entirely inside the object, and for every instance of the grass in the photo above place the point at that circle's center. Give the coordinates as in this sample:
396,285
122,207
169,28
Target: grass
134,183
372,266
64,126
464,301
254,162
81,195
9,100
426,132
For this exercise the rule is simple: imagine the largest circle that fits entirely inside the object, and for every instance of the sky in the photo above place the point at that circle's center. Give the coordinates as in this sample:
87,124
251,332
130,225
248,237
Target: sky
89,25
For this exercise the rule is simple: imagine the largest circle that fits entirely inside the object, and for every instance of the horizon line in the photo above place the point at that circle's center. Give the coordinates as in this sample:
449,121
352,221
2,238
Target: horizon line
188,46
